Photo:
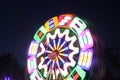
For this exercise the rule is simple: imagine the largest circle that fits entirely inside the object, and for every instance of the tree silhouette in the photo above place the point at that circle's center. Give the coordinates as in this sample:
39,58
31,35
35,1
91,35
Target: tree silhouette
10,68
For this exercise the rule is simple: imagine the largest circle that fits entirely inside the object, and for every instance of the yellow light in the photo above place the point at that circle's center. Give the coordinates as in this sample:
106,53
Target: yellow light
84,59
89,57
51,23
81,58
33,48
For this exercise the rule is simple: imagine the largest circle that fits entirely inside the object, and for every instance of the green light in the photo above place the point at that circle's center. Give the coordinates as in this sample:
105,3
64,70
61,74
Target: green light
81,72
35,75
40,74
42,32
32,76
85,39
77,25
61,28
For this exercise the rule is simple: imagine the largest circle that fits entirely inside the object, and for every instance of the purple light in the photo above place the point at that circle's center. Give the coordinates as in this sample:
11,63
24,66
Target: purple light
85,39
85,58
33,48
7,78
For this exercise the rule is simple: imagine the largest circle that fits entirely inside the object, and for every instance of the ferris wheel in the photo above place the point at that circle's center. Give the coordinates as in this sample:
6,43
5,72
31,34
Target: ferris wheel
61,49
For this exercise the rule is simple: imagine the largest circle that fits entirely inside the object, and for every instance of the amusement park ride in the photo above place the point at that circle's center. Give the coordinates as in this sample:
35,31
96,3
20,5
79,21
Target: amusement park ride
61,49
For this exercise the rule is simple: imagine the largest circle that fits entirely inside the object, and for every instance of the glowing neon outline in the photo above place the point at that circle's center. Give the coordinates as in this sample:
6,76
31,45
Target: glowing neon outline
80,71
85,39
75,50
85,59
36,37
35,75
75,23
31,61
75,30
33,48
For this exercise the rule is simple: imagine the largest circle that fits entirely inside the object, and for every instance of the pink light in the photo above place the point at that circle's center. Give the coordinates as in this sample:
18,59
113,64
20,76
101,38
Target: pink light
31,64
85,39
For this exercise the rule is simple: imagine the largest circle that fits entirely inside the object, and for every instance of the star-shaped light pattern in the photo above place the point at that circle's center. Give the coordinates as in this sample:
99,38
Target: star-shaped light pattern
57,55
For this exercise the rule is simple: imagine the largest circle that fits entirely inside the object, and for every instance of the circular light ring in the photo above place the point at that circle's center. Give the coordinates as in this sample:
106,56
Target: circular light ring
61,49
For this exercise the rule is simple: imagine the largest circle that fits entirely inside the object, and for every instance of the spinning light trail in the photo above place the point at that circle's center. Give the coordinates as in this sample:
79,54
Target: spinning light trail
62,49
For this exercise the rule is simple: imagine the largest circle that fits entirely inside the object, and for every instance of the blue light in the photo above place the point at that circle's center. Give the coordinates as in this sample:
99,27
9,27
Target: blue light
7,78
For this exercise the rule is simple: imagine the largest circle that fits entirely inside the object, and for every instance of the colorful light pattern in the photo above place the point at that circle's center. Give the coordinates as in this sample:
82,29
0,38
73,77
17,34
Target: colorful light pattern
65,20
85,39
85,58
61,50
77,72
31,62
40,34
51,24
58,53
33,48
77,25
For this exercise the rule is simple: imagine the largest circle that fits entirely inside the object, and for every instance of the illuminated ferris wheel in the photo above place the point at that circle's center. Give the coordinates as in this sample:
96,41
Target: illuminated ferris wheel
62,49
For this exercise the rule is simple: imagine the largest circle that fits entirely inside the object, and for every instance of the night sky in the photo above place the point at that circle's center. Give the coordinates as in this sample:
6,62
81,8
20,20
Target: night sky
20,19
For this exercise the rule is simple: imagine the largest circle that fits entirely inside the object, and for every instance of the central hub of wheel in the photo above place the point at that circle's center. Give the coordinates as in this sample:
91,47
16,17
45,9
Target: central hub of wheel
53,55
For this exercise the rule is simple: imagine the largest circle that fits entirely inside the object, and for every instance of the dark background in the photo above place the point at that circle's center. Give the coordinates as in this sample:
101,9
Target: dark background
20,19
